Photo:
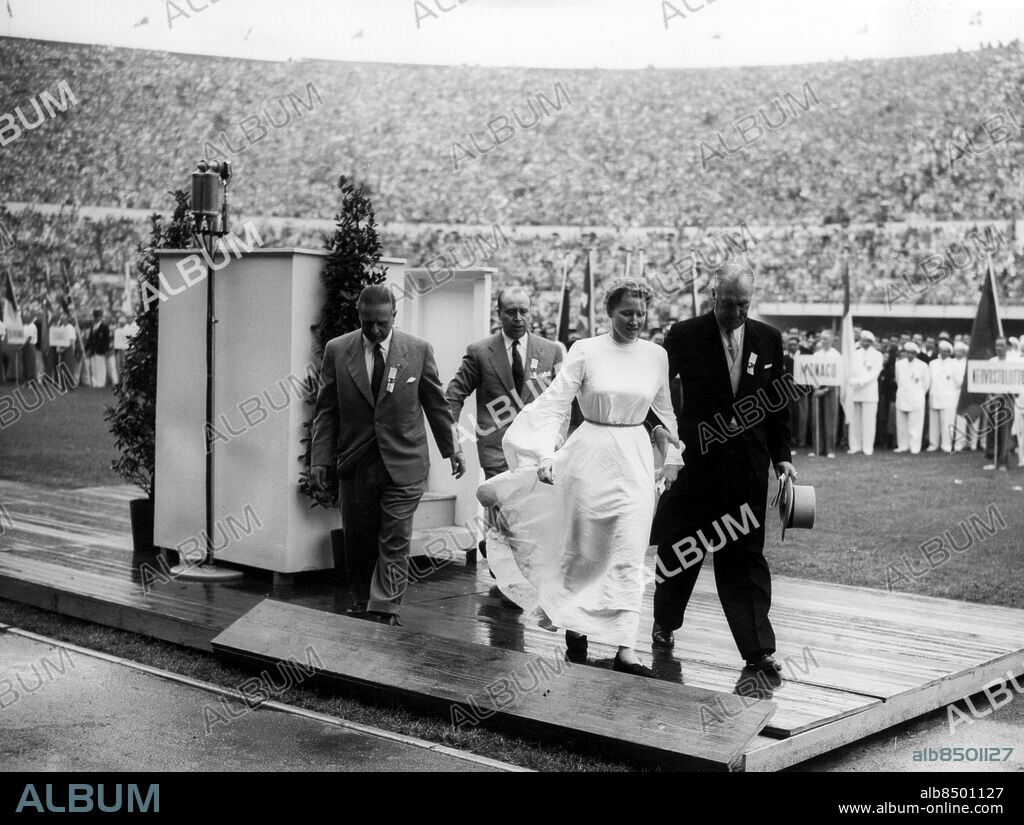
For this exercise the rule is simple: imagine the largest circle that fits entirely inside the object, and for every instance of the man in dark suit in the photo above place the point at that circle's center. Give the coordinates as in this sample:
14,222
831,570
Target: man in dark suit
735,425
376,384
507,371
97,348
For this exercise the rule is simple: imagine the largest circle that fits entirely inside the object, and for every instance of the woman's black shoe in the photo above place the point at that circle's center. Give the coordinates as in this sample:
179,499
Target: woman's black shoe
636,668
575,647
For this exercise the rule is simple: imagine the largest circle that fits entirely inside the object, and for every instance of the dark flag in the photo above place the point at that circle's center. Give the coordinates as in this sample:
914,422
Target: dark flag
11,305
587,307
12,318
846,284
693,287
987,327
564,314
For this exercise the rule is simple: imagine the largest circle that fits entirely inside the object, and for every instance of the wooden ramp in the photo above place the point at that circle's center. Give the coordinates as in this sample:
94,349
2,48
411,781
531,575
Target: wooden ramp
672,726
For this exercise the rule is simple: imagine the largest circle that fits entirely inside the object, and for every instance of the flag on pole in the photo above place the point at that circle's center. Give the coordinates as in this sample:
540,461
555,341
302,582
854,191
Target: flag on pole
587,306
126,301
12,318
986,328
44,330
693,287
846,342
69,308
563,310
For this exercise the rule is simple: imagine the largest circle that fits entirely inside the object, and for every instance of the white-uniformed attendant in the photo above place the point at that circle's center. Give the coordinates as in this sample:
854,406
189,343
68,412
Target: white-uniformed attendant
912,382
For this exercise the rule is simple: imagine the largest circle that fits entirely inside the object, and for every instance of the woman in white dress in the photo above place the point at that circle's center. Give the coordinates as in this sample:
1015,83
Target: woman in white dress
573,522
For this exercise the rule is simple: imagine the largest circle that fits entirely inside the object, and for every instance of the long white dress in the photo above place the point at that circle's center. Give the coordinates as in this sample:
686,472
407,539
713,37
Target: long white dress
576,549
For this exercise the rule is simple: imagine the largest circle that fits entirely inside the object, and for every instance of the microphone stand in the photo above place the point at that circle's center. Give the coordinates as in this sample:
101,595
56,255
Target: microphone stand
206,570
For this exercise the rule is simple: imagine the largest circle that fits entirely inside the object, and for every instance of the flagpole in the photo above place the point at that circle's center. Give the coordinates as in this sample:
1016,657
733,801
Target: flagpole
44,347
999,334
995,294
591,318
693,285
79,343
11,300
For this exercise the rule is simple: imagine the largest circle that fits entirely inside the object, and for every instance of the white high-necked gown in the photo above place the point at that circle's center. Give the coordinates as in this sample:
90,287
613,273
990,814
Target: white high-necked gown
576,549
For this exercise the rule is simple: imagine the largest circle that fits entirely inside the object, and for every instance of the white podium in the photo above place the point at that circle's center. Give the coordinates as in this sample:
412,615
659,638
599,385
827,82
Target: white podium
267,303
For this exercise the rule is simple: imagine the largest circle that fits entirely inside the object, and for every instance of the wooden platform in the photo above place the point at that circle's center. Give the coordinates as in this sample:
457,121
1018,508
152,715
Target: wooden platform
856,661
671,726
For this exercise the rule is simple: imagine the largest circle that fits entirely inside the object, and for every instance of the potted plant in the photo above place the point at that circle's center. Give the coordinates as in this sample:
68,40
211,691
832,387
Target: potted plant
132,419
353,263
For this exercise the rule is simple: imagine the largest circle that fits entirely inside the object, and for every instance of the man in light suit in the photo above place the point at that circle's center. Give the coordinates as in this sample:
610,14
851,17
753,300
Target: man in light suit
376,384
942,399
735,425
865,367
507,371
912,382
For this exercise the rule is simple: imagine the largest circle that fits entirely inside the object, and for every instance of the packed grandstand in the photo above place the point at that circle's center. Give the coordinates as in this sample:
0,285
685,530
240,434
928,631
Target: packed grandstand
896,161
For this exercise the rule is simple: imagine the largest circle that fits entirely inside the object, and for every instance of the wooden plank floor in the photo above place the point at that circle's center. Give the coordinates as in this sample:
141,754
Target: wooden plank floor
855,660
671,726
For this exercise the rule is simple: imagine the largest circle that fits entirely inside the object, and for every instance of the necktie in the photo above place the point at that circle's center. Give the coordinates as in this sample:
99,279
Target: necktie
517,368
378,370
730,336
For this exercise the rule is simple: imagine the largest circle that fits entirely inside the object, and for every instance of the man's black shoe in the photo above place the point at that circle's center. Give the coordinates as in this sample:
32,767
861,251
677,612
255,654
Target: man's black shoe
663,639
389,619
763,661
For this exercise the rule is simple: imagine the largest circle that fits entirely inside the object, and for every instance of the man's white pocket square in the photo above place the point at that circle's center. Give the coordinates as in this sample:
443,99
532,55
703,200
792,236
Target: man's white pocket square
411,380
767,366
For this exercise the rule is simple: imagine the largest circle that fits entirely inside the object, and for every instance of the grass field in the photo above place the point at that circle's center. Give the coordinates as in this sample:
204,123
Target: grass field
64,442
876,511
872,513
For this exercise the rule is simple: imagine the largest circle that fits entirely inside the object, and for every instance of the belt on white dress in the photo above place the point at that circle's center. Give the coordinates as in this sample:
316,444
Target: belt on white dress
612,423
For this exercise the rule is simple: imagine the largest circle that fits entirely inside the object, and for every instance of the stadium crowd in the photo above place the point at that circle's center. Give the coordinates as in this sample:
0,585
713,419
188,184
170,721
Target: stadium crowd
892,140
